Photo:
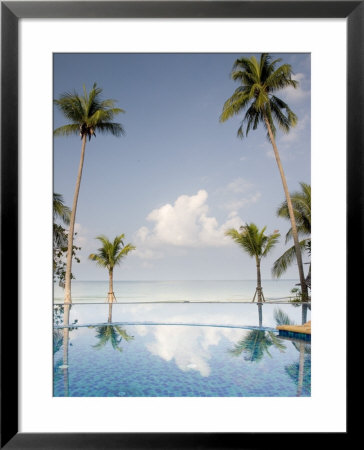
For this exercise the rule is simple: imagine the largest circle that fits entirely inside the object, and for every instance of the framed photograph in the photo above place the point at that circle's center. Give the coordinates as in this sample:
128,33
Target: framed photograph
131,114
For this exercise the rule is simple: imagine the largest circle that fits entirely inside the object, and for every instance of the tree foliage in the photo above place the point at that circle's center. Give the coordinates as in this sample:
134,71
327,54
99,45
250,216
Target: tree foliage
110,254
254,241
61,213
259,82
88,113
301,202
113,334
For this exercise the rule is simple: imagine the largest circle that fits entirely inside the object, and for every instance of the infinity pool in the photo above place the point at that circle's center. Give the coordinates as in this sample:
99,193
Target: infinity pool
179,350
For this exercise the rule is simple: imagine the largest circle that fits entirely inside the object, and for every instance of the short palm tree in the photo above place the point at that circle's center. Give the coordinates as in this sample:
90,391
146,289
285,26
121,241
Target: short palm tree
257,245
109,256
259,81
87,115
301,202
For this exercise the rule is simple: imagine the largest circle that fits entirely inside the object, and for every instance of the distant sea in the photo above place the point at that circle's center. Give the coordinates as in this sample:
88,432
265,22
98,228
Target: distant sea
176,291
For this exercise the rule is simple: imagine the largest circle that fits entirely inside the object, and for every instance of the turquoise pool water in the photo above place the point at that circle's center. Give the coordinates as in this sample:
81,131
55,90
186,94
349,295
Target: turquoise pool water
179,350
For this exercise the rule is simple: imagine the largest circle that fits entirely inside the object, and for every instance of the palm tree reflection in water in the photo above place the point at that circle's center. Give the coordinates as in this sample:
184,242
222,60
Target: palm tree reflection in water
297,371
61,339
113,333
256,343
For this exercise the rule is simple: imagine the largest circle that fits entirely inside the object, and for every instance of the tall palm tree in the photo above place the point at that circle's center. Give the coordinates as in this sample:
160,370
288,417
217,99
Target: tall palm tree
259,81
301,203
257,245
87,114
109,256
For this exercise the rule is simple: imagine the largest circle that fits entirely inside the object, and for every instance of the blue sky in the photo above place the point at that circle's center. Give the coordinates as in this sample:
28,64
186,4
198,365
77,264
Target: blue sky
178,178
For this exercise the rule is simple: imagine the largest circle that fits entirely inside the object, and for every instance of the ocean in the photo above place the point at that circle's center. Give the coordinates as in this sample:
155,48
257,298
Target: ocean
176,291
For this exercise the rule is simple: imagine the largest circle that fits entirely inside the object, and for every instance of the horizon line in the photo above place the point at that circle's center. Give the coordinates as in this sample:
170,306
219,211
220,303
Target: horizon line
248,279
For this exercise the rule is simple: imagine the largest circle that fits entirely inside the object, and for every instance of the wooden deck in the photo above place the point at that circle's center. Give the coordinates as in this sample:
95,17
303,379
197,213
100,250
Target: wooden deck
301,329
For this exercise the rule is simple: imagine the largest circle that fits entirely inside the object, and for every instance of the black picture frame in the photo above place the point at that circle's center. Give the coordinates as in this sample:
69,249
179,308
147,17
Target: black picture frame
11,12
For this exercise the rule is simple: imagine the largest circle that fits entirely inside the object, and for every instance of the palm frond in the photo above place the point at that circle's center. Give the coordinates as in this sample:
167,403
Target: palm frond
123,334
88,113
281,317
281,78
281,265
115,129
98,259
233,105
123,252
67,130
301,203
110,253
254,241
258,81
271,241
60,210
277,342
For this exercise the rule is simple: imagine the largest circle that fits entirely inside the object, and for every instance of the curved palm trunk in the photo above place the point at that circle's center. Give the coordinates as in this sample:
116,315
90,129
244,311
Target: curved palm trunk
111,295
259,282
291,214
67,293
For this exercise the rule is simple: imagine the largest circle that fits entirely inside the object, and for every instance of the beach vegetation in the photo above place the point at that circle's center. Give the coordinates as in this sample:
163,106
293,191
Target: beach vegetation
301,203
61,217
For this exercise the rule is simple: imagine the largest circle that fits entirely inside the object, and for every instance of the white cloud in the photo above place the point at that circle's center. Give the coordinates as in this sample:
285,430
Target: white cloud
185,223
173,343
235,205
239,186
239,193
189,347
